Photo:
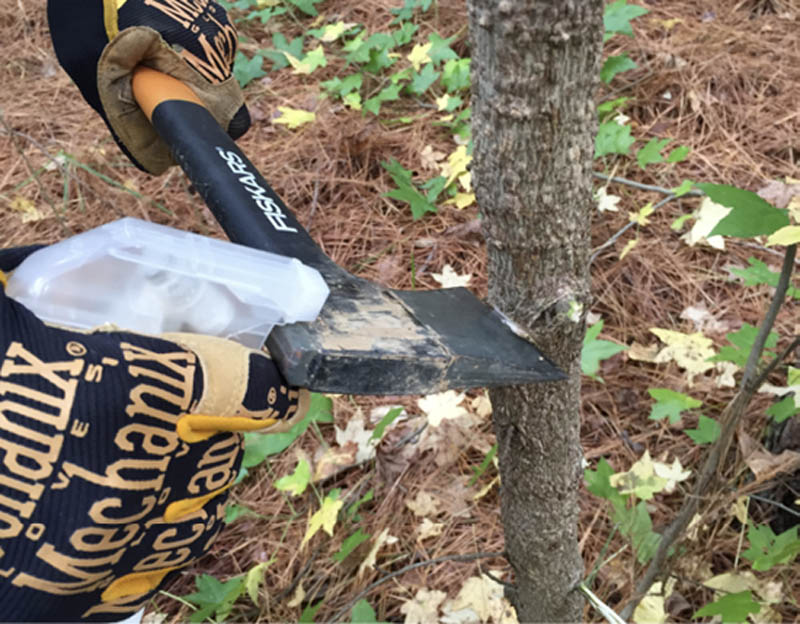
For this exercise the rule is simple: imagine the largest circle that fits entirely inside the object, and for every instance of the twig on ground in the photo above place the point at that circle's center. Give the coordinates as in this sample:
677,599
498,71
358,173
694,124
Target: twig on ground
730,418
412,566
645,187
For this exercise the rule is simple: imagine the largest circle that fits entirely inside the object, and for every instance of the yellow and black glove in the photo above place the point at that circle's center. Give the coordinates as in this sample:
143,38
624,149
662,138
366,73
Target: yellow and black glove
116,451
99,42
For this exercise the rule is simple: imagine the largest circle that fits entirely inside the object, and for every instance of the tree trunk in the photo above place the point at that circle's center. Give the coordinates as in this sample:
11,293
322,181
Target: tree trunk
534,68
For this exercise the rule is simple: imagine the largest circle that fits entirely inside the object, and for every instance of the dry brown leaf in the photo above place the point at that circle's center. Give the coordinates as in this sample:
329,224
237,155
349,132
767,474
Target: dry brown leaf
424,504
332,459
482,405
642,353
778,193
428,529
766,465
424,607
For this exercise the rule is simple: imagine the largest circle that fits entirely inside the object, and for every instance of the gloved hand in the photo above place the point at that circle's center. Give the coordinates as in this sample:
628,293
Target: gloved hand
99,42
116,450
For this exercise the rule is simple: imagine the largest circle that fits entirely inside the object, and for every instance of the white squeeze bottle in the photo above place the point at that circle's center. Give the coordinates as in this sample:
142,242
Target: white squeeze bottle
150,278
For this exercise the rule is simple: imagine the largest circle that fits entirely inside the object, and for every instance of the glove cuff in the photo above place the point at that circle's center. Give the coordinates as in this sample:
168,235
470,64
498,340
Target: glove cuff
142,45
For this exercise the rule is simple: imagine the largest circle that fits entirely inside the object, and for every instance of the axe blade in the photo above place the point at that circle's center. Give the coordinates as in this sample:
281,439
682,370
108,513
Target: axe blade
367,339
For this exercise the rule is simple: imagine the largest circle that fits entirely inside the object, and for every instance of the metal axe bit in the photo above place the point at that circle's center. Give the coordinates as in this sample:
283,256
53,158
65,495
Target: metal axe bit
368,339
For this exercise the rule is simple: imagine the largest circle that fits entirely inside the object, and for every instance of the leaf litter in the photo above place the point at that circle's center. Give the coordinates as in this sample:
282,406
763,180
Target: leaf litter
326,172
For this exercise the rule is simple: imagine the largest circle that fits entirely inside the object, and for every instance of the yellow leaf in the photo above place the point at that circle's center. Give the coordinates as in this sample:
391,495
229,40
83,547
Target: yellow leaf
641,216
442,102
293,118
419,55
486,489
461,200
689,351
788,235
465,180
299,596
651,609
443,406
267,3
369,560
628,247
456,164
332,32
324,518
28,209
739,509
305,66
706,220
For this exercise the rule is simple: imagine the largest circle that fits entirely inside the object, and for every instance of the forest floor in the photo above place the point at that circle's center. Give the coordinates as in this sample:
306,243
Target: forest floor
720,76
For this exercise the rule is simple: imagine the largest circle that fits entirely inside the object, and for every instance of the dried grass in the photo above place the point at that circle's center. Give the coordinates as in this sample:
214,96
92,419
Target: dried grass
723,79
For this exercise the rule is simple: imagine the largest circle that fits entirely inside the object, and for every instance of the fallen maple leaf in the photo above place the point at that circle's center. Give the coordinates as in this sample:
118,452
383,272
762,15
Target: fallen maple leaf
428,528
606,202
689,351
369,561
424,607
424,504
442,406
448,278
324,518
293,118
480,599
355,433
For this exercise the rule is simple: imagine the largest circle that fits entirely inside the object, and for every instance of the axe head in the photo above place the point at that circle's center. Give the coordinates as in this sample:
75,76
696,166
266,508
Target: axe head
371,340
367,339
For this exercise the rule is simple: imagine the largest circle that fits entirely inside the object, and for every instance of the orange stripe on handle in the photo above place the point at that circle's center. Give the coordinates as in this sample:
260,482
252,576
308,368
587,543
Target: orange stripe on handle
151,88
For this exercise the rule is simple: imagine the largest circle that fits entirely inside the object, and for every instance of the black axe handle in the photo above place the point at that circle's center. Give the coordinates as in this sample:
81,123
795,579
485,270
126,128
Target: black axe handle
249,211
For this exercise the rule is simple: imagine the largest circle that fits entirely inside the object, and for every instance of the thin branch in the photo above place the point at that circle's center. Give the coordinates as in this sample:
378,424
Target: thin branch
730,418
777,360
607,612
468,557
645,187
780,506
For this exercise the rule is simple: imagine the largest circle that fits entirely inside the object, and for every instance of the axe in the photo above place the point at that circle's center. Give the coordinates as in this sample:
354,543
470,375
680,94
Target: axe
367,339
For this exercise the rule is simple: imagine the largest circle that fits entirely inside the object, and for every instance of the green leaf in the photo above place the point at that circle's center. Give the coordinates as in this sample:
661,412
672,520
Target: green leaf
423,79
612,138
640,530
407,12
343,86
678,154
683,188
670,404
363,612
352,511
297,482
617,18
306,6
234,511
783,409
767,549
406,191
598,482
350,544
387,420
264,15
731,607
487,461
440,50
307,616
259,446
594,351
651,153
456,75
749,216
388,94
607,108
248,69
214,596
742,341
405,33
707,431
277,56
616,65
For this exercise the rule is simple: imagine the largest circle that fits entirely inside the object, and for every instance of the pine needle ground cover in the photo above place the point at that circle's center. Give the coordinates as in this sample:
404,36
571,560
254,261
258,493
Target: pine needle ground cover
387,509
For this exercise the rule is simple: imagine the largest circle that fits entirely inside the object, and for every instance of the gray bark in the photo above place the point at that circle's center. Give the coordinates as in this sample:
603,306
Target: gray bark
534,69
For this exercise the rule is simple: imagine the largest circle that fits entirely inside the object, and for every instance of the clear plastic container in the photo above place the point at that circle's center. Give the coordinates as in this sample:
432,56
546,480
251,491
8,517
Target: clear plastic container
151,278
